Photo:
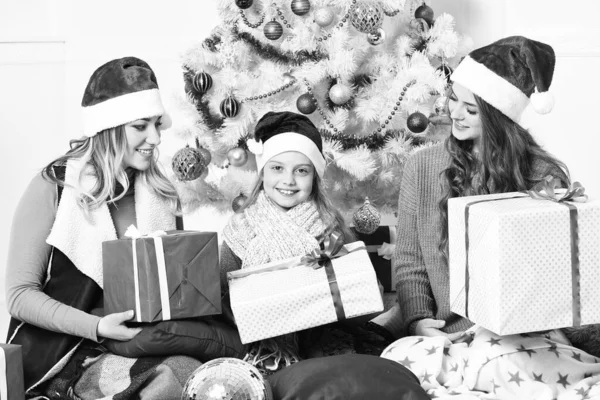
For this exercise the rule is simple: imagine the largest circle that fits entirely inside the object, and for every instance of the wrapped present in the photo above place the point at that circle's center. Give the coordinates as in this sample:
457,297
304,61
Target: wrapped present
164,276
12,385
380,246
525,262
304,292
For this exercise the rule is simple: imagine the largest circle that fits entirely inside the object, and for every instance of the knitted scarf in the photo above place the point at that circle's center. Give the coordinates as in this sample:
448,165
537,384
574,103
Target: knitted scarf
265,233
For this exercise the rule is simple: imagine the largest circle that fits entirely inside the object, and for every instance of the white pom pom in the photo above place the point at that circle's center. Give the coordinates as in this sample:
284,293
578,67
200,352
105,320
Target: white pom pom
543,102
254,146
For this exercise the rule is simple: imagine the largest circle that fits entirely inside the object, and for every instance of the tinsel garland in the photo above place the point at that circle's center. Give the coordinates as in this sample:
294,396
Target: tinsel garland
211,121
373,142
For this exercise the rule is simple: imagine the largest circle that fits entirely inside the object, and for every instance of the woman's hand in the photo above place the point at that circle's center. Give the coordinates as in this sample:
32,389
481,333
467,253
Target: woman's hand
113,326
432,327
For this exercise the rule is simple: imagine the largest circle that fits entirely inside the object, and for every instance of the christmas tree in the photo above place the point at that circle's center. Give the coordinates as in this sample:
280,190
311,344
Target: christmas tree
369,74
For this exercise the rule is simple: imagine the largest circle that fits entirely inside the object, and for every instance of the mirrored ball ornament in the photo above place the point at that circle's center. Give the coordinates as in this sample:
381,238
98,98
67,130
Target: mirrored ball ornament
366,16
226,379
376,37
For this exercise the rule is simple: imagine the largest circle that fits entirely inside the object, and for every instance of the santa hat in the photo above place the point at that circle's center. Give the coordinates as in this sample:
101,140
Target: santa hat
278,132
118,92
509,74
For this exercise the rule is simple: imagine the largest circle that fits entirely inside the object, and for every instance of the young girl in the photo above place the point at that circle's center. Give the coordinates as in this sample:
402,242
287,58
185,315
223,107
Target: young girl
108,180
286,215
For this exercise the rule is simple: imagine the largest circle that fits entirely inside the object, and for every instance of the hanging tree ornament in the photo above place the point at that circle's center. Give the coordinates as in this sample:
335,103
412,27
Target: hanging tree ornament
230,107
417,122
238,202
188,164
204,152
273,30
366,219
323,16
306,104
202,82
425,12
440,106
237,156
300,7
244,4
366,17
340,93
376,37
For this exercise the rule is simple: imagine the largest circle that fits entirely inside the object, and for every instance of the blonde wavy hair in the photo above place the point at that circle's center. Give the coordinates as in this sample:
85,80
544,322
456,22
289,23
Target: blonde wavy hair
104,153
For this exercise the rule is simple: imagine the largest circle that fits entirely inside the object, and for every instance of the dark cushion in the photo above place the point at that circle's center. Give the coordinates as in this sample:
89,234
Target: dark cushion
346,377
204,339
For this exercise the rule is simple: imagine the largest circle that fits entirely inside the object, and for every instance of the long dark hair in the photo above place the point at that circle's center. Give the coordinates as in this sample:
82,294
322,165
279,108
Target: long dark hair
509,160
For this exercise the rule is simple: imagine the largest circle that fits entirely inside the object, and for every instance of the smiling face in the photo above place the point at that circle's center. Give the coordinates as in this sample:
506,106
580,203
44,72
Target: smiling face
288,179
143,136
465,114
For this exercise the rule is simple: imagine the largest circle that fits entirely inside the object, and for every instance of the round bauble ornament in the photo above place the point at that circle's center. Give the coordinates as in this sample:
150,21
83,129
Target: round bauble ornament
417,122
425,12
300,7
419,28
244,4
376,37
205,154
366,16
202,82
306,104
273,30
237,156
366,219
230,107
238,202
340,93
188,164
446,71
226,378
440,106
288,78
323,16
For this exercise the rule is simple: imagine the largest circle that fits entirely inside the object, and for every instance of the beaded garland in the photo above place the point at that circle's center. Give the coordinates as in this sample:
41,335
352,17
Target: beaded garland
290,82
345,19
250,24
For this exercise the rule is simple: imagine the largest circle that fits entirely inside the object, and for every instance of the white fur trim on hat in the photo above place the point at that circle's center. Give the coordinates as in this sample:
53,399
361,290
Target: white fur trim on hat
291,141
123,109
492,88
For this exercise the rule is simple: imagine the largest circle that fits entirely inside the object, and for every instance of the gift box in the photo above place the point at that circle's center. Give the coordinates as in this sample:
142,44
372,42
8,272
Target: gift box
296,294
523,264
12,385
380,246
172,276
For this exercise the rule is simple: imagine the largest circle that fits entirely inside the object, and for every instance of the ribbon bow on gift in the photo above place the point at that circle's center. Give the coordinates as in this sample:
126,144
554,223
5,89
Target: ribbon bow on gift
333,248
134,233
549,189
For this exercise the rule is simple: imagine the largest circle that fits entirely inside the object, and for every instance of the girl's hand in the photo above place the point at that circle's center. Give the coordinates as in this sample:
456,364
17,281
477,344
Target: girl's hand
113,326
432,327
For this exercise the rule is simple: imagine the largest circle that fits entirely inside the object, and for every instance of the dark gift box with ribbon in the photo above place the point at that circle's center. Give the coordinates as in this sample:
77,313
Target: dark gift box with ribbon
164,276
525,262
12,385
380,246
303,292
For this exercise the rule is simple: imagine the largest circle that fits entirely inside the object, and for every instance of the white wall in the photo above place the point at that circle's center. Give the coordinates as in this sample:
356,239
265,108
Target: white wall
48,48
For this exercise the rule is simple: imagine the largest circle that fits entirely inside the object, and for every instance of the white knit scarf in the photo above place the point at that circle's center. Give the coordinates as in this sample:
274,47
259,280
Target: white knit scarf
265,233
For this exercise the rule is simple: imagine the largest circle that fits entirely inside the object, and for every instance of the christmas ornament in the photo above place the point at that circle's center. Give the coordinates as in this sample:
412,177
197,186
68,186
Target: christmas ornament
440,106
244,4
323,16
202,82
366,219
188,164
237,156
238,202
300,7
366,17
205,155
376,37
306,104
417,122
230,107
273,30
288,80
446,71
226,379
340,93
419,28
425,12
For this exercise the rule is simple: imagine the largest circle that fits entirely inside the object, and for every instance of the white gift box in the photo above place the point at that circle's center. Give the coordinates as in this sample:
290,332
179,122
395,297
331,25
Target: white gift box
287,296
532,264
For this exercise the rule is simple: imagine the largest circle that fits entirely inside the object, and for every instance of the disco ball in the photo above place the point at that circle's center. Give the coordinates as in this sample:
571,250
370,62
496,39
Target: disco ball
226,379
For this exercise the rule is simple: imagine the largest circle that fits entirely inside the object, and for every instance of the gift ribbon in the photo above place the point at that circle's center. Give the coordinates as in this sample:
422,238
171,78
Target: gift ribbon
134,234
3,382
